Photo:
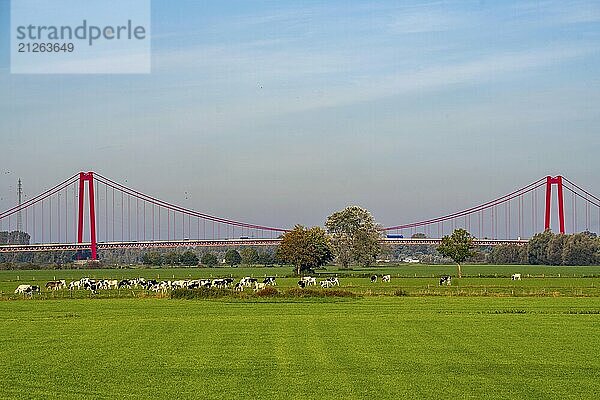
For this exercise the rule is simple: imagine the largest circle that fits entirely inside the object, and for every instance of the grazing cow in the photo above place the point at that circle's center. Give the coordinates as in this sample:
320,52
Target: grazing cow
23,289
74,285
325,283
248,282
515,277
219,283
206,283
386,278
329,282
182,284
259,286
238,287
112,284
302,283
446,280
148,284
83,282
55,285
309,280
139,282
124,283
228,281
27,290
192,285
373,278
270,280
92,286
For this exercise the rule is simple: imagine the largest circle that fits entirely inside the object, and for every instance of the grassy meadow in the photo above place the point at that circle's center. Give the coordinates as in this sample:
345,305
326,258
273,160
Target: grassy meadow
483,337
372,347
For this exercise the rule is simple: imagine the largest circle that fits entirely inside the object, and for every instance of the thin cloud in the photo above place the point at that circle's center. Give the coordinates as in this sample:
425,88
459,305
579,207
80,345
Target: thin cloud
485,69
424,21
558,12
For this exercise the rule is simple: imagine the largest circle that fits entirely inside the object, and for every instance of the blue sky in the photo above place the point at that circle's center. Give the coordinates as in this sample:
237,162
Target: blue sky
281,112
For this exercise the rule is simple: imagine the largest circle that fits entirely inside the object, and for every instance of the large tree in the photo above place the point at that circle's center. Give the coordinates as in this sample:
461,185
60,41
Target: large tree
152,258
233,257
554,249
209,259
458,246
189,258
355,236
305,248
581,249
249,255
537,248
509,254
171,258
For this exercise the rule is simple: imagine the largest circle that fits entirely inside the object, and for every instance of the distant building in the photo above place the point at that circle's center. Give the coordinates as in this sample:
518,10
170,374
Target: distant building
411,260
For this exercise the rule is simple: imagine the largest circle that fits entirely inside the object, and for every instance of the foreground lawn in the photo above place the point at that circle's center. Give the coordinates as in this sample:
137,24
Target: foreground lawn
374,347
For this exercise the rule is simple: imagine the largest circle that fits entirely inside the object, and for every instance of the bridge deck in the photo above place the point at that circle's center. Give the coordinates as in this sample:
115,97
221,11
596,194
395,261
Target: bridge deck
218,243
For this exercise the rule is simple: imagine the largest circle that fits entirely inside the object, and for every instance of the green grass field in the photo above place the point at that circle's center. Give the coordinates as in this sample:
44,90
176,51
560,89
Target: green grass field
372,347
483,337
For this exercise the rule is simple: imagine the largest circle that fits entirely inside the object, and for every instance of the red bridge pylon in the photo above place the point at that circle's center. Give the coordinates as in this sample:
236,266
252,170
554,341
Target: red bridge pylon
89,178
558,181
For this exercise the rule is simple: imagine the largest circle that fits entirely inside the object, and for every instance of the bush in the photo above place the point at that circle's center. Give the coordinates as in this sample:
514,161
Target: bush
200,293
297,292
268,291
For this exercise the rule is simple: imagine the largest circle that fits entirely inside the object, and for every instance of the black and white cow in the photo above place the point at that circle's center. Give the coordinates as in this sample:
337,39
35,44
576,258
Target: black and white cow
445,280
219,283
206,283
75,285
92,286
309,280
124,283
193,285
270,280
386,278
111,284
56,285
228,281
149,284
248,281
373,278
329,282
27,289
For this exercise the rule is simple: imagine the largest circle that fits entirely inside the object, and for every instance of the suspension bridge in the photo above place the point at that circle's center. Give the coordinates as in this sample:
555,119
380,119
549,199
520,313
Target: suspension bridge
91,212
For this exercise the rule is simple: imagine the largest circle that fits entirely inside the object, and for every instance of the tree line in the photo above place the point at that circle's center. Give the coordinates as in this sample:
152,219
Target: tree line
14,237
548,248
232,257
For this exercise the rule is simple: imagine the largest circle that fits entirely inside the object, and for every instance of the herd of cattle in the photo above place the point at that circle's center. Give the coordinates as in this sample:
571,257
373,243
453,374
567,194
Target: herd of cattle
94,285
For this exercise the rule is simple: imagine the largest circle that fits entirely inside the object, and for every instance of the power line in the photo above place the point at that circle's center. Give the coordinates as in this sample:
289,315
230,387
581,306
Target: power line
20,197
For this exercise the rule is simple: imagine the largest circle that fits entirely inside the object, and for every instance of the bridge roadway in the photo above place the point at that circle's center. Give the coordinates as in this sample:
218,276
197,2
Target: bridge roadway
219,243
